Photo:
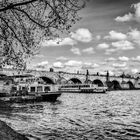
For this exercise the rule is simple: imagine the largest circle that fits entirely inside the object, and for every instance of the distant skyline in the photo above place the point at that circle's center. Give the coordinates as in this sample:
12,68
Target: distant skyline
107,38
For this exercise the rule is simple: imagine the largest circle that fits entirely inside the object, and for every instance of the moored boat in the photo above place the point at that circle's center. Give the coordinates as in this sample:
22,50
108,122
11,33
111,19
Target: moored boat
25,92
82,88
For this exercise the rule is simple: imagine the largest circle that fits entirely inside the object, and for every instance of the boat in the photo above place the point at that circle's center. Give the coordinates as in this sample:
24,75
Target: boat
82,88
26,91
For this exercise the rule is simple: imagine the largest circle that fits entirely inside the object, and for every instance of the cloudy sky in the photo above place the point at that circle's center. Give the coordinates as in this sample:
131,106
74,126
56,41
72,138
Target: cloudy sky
107,38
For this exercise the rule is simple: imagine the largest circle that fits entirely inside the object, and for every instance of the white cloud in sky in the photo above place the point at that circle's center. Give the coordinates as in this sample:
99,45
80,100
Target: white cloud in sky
111,59
58,42
75,50
134,71
103,46
110,51
136,58
43,63
118,46
123,58
82,35
95,65
61,58
89,50
58,65
89,65
113,35
73,63
131,16
119,65
126,17
123,41
123,45
134,35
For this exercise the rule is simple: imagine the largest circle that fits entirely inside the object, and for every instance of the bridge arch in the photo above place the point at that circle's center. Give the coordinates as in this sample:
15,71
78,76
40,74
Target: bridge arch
47,80
74,81
115,85
98,82
131,85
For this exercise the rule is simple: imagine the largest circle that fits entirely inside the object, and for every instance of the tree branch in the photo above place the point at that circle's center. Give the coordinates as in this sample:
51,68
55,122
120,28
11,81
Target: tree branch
10,6
11,30
30,17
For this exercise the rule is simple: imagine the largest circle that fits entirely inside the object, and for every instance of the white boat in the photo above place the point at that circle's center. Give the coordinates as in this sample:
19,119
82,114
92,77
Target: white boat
29,92
82,88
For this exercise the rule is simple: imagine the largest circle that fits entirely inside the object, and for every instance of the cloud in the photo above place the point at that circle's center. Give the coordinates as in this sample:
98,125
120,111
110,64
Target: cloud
41,65
118,46
82,35
58,65
109,51
137,59
131,16
58,42
119,65
73,63
134,71
89,50
134,35
123,45
103,46
123,58
75,50
95,65
89,65
113,35
61,58
126,17
111,59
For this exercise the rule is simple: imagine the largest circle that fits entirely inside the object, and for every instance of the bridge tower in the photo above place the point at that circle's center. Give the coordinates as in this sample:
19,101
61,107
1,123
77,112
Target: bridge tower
107,77
87,74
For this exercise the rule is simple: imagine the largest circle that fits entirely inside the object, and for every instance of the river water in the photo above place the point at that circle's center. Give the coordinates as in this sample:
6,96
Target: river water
112,116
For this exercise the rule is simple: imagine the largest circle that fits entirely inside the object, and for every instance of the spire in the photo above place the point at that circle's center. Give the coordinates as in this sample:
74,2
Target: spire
107,76
87,73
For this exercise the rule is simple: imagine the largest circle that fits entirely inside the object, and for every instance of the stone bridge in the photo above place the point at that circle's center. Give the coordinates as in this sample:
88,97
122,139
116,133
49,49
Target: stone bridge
115,82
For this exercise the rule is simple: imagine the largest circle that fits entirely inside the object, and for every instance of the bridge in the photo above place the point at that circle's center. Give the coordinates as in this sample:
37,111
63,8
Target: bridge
51,77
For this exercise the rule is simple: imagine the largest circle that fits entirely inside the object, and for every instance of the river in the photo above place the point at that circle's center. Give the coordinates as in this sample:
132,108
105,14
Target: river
112,116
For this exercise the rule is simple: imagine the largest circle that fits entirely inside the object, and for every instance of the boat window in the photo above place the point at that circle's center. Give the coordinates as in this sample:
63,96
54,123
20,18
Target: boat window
39,89
32,89
14,89
24,88
47,89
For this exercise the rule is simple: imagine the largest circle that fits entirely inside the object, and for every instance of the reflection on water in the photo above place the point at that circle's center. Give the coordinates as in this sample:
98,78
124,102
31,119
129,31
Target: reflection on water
111,116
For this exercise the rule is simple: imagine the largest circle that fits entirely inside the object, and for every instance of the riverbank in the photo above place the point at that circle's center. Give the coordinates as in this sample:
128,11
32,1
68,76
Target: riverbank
7,133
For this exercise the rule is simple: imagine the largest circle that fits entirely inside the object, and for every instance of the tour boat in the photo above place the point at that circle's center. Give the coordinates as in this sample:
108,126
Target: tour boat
29,92
82,88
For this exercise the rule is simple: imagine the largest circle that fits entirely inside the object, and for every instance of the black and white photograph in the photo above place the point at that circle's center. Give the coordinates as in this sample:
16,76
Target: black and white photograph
69,69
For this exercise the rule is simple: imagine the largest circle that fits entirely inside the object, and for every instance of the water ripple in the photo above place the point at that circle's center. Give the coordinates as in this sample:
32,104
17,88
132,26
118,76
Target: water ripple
113,116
